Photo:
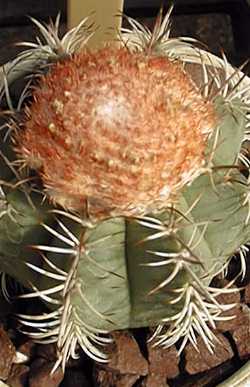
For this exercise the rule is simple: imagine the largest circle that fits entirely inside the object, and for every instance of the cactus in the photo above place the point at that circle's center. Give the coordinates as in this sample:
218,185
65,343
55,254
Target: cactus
132,240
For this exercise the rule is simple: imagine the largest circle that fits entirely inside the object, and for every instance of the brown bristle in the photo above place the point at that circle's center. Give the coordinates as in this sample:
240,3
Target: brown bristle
119,131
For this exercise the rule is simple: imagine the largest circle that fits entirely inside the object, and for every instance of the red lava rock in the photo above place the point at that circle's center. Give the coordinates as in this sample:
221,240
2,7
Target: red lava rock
229,298
104,377
28,348
247,294
241,334
208,378
126,363
18,376
242,317
126,380
163,362
107,378
127,358
155,381
7,354
204,360
40,375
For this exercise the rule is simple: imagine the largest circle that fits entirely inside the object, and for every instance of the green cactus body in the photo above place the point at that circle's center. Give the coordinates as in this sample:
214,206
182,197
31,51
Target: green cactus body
152,269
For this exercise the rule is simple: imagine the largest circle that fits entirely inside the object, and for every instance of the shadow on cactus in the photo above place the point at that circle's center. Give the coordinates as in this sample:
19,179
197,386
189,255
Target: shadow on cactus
124,186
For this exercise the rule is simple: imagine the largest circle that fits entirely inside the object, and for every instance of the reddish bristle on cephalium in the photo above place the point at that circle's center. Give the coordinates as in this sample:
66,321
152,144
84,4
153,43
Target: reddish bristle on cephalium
117,132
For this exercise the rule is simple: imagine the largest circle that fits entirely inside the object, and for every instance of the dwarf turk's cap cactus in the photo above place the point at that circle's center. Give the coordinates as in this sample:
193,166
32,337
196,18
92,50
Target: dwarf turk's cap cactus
124,137
117,132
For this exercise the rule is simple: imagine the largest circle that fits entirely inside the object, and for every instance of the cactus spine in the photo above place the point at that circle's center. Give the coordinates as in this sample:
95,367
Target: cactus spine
99,268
